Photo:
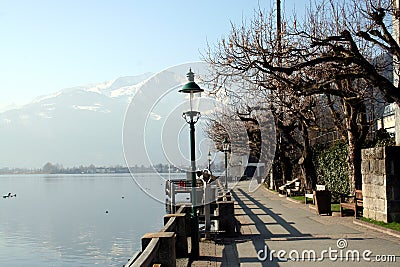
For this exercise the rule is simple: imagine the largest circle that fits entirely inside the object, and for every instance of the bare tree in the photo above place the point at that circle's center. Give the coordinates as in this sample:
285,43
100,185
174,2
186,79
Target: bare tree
333,54
243,119
233,63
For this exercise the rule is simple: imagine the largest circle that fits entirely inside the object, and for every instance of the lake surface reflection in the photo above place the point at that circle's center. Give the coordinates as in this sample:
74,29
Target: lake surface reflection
74,220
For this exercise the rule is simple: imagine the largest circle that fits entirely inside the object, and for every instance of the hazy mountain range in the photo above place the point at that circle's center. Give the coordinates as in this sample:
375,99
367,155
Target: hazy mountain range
80,125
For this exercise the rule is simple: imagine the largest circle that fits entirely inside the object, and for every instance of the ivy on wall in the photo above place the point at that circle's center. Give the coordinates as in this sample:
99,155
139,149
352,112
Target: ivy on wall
331,169
331,166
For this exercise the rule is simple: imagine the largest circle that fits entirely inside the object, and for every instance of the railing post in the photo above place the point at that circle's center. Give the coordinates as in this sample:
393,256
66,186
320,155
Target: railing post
166,255
181,244
172,197
207,201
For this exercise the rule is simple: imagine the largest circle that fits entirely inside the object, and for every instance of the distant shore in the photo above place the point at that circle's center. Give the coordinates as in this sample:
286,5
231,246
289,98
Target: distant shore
50,168
57,169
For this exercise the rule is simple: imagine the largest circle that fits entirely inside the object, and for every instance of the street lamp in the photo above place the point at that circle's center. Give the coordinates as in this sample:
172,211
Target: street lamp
191,117
209,160
225,148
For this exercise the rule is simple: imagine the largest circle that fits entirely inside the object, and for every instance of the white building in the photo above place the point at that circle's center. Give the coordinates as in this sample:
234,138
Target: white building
388,119
396,35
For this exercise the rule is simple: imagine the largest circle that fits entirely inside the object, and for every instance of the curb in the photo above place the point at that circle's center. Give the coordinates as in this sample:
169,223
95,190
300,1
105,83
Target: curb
377,228
270,191
310,206
295,201
276,193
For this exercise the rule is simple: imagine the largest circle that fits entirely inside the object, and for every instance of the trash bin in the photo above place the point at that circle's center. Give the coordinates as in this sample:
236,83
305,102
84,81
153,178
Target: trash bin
323,202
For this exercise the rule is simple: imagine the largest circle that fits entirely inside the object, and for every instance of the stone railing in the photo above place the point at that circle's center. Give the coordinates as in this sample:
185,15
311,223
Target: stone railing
171,242
165,246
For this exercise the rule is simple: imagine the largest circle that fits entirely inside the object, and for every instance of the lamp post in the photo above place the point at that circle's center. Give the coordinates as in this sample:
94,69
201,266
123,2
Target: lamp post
209,160
225,148
191,117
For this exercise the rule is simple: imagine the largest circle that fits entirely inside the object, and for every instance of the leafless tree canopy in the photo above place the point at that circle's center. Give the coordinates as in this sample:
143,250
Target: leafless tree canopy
342,54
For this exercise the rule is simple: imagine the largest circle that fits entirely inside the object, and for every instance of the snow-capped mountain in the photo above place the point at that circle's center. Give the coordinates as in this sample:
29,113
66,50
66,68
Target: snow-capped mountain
80,125
123,86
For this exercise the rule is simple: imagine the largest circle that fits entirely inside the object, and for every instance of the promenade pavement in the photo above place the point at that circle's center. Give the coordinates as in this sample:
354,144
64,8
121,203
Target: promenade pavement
270,223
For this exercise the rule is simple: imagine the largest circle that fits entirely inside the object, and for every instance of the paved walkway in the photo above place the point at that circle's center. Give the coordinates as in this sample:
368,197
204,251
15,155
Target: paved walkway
272,223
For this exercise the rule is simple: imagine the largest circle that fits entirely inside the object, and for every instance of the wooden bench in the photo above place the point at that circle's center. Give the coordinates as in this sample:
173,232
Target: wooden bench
283,189
309,193
293,190
354,203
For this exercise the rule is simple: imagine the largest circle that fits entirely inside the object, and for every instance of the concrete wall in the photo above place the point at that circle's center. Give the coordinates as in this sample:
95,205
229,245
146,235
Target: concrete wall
381,183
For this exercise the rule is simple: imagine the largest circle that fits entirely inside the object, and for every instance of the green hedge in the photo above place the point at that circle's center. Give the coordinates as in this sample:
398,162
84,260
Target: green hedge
331,169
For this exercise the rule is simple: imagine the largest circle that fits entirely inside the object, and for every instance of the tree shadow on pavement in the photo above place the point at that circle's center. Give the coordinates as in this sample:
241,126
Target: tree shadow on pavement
254,209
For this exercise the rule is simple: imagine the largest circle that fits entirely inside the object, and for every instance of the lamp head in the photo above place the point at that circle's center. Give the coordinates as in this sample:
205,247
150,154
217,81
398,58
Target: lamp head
191,87
225,145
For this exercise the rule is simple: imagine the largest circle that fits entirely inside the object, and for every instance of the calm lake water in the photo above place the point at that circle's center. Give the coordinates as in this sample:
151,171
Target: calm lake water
61,220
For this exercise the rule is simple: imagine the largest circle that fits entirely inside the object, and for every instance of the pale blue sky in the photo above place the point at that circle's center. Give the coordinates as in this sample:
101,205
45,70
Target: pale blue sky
49,45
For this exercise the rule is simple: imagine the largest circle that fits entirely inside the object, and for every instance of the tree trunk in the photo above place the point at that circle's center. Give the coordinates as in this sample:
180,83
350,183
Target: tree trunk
355,121
310,174
351,162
